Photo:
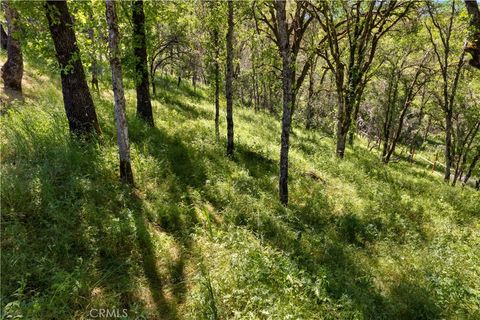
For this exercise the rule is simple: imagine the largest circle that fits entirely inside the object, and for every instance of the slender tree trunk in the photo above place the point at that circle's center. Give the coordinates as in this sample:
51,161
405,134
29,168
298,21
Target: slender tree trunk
448,144
256,100
311,83
126,173
12,70
341,137
287,98
229,80
154,87
93,56
82,118
396,137
341,113
427,129
144,104
217,83
475,159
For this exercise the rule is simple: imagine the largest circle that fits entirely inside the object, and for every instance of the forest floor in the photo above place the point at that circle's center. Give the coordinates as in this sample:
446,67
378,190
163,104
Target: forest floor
203,236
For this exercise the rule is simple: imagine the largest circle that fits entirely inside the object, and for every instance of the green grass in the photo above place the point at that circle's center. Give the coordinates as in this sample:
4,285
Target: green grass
203,236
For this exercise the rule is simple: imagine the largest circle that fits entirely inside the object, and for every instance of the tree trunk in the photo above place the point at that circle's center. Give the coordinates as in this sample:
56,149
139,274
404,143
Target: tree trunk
311,87
117,84
341,113
144,104
256,100
82,118
341,139
93,57
12,70
287,98
476,158
448,144
3,37
229,80
473,46
396,137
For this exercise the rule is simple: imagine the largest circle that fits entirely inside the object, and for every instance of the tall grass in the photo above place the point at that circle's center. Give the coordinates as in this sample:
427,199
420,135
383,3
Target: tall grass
203,236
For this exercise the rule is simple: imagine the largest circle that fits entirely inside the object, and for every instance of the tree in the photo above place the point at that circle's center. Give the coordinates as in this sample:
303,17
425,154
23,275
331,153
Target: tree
12,70
144,104
363,24
82,118
229,80
284,44
288,38
117,86
444,51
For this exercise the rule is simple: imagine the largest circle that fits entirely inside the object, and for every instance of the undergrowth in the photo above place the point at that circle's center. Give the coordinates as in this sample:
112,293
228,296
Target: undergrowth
202,236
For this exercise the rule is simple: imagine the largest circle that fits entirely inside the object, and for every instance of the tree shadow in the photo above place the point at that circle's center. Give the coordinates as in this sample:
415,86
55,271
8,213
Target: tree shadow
189,111
258,165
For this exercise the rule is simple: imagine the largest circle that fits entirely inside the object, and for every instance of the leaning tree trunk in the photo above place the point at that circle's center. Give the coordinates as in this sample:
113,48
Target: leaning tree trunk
77,100
12,70
229,80
217,83
117,85
476,158
287,99
144,104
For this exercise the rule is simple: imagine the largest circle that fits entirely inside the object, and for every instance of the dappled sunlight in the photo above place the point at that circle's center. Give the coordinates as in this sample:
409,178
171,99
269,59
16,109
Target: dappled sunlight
202,232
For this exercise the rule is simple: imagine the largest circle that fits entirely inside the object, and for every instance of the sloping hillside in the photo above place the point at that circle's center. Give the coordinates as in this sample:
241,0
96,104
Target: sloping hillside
203,236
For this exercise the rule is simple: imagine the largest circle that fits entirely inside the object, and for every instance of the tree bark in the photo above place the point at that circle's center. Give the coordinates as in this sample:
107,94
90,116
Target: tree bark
287,98
229,80
82,118
126,173
448,144
3,37
473,46
144,104
12,70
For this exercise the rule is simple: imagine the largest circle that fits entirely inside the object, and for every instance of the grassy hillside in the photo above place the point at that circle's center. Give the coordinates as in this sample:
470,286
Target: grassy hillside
204,237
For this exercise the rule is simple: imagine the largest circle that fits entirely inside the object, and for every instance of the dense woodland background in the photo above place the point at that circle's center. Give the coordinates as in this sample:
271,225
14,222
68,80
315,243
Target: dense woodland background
240,159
